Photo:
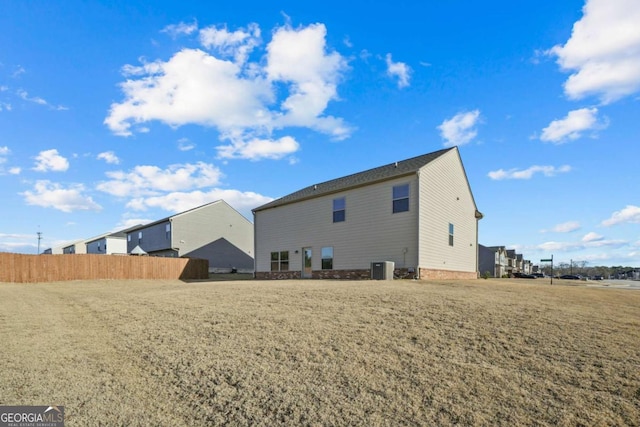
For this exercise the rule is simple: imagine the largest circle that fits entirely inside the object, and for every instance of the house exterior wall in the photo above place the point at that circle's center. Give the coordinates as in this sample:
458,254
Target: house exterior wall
98,246
216,232
76,248
107,245
445,198
154,238
370,233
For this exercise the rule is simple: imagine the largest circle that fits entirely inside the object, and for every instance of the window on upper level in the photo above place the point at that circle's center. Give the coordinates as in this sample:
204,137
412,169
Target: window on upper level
139,236
400,198
339,209
450,234
167,231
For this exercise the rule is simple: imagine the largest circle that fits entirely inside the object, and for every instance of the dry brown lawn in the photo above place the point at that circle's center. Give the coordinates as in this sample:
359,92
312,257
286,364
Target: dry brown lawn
493,352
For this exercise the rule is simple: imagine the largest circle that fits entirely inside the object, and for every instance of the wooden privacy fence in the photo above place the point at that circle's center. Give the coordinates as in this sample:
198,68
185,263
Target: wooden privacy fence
52,268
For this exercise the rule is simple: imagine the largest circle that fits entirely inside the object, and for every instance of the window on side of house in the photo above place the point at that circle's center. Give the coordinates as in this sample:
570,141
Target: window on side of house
139,236
280,261
450,234
128,237
400,198
327,258
167,230
339,209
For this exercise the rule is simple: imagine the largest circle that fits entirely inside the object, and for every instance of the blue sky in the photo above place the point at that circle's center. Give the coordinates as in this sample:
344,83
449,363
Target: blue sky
117,113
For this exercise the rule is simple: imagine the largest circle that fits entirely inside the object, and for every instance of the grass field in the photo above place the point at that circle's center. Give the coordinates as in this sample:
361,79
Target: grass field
492,352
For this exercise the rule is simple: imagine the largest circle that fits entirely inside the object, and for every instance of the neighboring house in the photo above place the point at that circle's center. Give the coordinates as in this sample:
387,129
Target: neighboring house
492,260
527,267
418,213
214,231
77,247
109,243
511,261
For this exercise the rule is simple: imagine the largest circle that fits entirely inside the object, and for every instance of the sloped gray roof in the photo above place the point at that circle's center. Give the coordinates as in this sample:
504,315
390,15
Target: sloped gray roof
138,251
381,173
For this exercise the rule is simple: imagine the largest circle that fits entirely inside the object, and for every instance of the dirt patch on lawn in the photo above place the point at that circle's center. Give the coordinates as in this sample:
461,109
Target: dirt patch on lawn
492,352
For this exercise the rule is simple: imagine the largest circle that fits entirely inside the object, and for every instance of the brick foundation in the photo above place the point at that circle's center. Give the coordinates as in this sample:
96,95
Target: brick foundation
342,274
277,275
431,274
365,274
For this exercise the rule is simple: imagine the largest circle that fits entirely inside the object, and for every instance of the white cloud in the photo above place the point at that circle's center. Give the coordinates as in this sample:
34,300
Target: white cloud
237,44
4,151
581,245
182,28
109,157
151,180
181,201
460,129
15,170
565,227
629,215
50,160
256,149
299,57
240,99
398,70
572,126
592,237
185,145
37,100
548,171
603,52
52,195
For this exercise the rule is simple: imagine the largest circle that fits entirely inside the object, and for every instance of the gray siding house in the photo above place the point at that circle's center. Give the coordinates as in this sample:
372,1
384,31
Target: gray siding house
492,260
214,231
418,213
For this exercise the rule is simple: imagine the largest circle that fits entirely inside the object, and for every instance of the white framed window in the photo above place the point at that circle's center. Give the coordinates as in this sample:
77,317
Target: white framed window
450,234
167,230
280,261
400,198
327,258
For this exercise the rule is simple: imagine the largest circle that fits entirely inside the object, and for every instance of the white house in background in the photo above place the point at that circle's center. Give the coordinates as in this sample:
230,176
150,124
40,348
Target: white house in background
418,213
108,243
214,231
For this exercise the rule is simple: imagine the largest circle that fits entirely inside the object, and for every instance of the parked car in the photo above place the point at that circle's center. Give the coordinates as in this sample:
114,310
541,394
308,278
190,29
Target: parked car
523,276
538,275
570,277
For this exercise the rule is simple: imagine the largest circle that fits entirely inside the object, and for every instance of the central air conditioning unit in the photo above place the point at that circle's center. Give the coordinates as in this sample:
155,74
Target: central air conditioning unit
382,270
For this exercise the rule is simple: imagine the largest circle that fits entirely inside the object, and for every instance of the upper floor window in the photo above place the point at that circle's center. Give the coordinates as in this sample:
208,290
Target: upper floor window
450,234
339,209
280,261
167,230
128,237
400,198
139,236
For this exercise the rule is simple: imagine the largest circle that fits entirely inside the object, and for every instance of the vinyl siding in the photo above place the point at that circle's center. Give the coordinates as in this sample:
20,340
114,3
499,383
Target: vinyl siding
153,238
198,229
371,232
445,197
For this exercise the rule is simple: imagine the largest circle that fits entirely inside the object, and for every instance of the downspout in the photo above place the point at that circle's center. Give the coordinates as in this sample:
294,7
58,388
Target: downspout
479,216
255,245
